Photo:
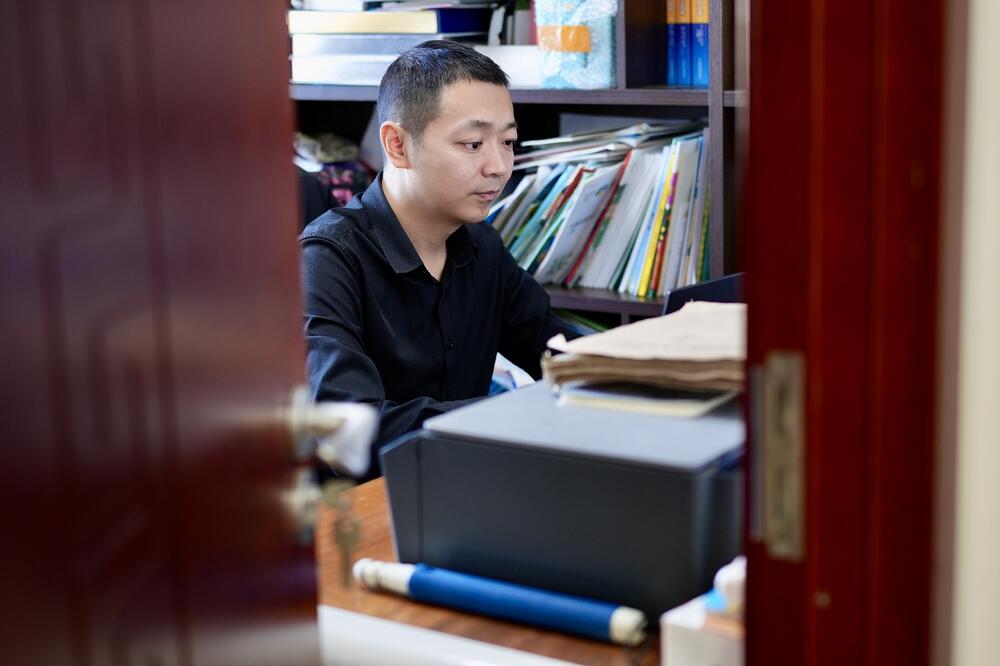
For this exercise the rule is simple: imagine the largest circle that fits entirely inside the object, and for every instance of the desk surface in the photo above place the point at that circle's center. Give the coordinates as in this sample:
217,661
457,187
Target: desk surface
369,505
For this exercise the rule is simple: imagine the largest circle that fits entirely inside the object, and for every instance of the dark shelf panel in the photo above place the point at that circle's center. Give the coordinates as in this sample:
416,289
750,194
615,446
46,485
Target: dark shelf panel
651,96
602,300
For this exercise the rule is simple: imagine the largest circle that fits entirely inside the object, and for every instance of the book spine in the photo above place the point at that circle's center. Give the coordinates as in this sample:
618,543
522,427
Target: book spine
656,227
633,264
684,43
524,25
671,42
619,274
684,207
654,280
699,44
666,236
527,231
551,221
649,253
703,254
599,227
693,235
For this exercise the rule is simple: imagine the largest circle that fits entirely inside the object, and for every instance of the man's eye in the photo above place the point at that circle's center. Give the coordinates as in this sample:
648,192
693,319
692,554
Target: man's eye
474,145
509,142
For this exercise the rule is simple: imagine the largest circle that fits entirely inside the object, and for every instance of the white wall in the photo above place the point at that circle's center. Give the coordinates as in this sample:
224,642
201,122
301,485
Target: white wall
975,626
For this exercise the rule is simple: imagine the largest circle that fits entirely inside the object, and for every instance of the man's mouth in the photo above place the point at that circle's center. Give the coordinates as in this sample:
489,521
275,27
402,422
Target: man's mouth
488,195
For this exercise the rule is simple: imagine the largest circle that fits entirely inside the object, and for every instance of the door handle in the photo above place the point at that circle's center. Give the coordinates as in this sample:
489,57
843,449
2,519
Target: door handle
339,433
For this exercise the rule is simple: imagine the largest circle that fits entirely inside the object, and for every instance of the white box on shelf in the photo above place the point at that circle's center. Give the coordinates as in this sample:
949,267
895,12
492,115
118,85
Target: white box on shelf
691,636
521,63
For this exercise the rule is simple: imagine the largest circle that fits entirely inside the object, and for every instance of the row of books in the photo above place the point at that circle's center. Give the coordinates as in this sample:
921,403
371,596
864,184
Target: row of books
454,17
687,43
624,210
507,21
345,42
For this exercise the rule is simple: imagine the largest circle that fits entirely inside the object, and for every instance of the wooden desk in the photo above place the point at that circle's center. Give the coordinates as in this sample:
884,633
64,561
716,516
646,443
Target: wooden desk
369,504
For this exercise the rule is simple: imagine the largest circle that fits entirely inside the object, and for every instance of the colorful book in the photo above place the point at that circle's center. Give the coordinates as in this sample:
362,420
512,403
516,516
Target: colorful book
617,238
633,270
617,281
699,44
549,191
593,240
554,221
671,42
526,206
666,231
683,48
587,204
534,238
692,244
689,159
704,260
657,226
677,216
501,213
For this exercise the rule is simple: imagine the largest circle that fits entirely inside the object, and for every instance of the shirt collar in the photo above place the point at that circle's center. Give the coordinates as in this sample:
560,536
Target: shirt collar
396,245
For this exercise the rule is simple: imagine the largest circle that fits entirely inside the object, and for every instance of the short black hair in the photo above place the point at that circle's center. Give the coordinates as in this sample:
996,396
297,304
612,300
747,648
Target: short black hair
410,91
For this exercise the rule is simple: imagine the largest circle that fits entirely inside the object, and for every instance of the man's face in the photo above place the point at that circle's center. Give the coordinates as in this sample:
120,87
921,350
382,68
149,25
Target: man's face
466,153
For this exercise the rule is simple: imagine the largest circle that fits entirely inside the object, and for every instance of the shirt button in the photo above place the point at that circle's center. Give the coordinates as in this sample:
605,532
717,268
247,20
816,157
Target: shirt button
451,343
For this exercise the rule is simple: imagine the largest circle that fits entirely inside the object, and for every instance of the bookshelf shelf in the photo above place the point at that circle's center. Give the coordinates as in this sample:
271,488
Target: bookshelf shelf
314,92
647,96
602,300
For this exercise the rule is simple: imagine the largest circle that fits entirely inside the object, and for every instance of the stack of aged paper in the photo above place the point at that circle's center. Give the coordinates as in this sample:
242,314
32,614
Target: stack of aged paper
701,347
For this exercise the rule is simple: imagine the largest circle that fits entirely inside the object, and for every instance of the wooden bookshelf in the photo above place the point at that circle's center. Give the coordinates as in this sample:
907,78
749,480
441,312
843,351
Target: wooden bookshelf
640,92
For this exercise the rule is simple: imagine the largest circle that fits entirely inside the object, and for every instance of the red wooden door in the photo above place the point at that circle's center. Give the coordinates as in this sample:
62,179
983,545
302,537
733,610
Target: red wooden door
841,235
151,317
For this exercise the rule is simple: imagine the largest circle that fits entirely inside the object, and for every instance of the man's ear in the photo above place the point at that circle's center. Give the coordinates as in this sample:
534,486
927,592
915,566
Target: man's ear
396,143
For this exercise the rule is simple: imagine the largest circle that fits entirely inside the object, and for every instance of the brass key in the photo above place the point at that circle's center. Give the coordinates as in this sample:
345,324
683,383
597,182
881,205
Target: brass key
347,534
346,526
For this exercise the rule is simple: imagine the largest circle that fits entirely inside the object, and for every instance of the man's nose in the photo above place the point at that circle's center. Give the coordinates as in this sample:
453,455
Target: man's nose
494,162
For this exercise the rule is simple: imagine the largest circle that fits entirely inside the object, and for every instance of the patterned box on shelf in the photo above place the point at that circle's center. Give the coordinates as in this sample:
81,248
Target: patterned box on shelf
577,42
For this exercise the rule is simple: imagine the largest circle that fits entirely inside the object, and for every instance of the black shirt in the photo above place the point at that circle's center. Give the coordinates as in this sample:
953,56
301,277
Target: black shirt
380,329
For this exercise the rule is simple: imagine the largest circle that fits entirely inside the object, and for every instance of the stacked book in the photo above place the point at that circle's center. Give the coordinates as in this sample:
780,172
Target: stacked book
353,42
687,43
684,363
624,210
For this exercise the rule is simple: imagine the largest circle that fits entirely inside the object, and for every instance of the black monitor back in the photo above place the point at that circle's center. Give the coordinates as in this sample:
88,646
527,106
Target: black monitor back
726,289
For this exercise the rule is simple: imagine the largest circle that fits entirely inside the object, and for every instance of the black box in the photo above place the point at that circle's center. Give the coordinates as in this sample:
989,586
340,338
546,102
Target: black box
637,510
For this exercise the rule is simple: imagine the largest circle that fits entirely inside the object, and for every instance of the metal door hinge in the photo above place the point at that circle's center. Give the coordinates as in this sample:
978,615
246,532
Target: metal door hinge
780,444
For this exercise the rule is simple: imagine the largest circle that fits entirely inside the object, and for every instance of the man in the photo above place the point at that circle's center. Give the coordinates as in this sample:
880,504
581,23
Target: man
409,295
